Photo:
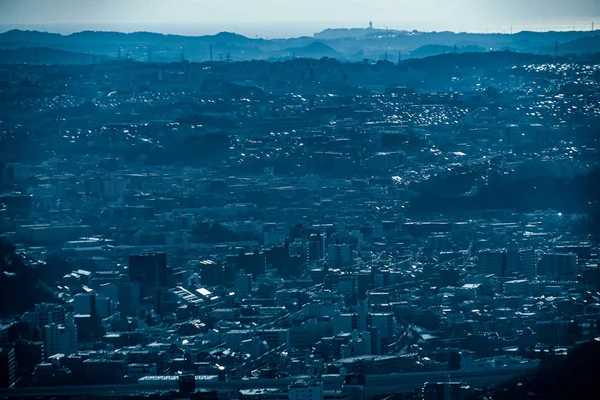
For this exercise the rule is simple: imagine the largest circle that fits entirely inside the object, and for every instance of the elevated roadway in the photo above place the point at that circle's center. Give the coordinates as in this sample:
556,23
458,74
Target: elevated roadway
384,384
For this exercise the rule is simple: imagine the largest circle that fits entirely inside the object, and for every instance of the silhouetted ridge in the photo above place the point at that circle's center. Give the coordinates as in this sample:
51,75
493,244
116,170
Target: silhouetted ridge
572,378
354,44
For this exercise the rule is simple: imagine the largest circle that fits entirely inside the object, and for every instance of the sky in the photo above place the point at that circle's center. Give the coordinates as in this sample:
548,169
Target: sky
285,18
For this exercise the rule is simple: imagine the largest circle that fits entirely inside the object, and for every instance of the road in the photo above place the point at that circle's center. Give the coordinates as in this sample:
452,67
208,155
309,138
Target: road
384,384
404,383
140,387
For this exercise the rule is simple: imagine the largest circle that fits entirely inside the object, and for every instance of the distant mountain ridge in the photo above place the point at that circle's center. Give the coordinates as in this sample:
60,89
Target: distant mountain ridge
314,50
351,44
432,50
585,45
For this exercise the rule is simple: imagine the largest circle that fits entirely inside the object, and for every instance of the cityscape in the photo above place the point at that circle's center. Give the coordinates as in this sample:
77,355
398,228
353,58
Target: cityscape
365,213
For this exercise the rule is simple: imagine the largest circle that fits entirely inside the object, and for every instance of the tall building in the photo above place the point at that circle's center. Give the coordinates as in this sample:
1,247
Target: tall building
61,338
345,323
296,248
149,269
8,367
215,273
362,310
103,306
375,339
51,339
72,337
339,255
385,322
85,303
512,265
128,296
528,263
365,281
287,265
492,262
559,266
243,283
44,314
314,248
253,263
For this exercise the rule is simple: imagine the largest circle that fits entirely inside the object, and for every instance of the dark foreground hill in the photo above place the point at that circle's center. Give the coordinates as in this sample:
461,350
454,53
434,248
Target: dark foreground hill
45,55
572,378
21,286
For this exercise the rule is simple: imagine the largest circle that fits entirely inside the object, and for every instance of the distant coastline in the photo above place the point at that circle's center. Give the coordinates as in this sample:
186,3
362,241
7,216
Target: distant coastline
284,30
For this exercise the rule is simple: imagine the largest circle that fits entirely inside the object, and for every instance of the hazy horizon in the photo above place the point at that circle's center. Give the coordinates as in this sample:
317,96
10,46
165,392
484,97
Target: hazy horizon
273,31
281,19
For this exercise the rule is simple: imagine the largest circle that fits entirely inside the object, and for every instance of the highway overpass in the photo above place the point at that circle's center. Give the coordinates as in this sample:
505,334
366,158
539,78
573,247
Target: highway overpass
383,384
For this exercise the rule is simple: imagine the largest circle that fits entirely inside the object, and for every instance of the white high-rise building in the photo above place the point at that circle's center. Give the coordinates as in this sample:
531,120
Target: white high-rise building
60,338
44,314
51,339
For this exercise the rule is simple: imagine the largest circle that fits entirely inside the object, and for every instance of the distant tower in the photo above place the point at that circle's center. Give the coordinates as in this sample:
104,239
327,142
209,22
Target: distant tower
399,57
211,53
182,56
371,25
385,56
592,26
